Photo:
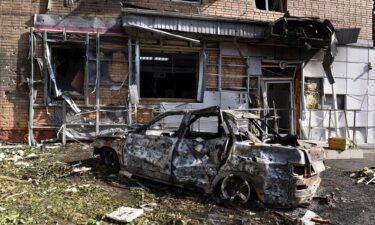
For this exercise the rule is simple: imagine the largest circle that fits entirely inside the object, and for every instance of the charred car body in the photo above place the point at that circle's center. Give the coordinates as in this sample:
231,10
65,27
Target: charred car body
218,151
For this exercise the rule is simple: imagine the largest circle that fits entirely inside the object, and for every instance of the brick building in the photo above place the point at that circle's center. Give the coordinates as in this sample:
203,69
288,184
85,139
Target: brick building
74,69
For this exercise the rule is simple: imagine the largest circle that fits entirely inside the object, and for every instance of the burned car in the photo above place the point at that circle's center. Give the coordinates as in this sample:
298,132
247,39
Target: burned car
222,152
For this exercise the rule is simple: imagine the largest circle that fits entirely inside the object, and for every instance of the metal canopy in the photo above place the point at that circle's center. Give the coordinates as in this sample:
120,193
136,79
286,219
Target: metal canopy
191,23
77,24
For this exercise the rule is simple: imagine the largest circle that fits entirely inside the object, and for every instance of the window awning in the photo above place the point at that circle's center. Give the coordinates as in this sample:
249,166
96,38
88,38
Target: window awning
193,23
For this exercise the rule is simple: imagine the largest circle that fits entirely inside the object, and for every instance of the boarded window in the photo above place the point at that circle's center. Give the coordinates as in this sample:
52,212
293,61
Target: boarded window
169,75
271,5
313,92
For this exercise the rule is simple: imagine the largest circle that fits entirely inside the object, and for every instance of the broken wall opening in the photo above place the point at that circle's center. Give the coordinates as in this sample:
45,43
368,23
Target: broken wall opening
69,64
280,81
90,73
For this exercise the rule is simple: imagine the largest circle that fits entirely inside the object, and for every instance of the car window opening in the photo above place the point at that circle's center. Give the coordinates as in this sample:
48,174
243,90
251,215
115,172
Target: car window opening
166,126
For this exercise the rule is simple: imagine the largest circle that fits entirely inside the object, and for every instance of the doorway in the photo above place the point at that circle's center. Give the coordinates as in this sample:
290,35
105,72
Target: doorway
280,96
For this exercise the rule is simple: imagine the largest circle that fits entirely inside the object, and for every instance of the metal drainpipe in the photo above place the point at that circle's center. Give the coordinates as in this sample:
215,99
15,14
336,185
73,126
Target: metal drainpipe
31,86
334,104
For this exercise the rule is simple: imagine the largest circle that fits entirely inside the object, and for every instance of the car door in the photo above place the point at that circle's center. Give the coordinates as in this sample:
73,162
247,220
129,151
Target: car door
148,151
197,157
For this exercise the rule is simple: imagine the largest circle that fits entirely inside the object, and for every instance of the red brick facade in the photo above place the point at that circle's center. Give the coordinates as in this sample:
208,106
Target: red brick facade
16,17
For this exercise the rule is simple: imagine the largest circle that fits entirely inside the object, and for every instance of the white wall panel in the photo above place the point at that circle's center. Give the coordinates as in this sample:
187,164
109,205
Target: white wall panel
371,87
357,54
360,121
357,87
341,54
371,135
372,55
339,69
371,119
357,71
356,102
371,103
314,69
361,134
340,86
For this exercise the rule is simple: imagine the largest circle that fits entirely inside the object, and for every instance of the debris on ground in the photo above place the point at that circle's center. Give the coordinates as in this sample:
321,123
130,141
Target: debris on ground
81,169
49,192
310,218
366,175
327,199
125,214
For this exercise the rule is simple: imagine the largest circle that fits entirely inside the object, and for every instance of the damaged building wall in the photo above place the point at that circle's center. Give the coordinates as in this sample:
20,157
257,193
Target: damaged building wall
343,14
354,87
16,17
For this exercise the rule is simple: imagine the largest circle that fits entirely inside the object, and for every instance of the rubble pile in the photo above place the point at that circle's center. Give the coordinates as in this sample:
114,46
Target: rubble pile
365,175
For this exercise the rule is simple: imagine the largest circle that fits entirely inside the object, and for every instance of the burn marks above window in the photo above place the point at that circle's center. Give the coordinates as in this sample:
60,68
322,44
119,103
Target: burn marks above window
271,5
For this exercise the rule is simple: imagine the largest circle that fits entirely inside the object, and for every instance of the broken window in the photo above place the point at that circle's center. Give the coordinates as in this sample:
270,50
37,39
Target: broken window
271,5
328,101
169,75
313,92
69,64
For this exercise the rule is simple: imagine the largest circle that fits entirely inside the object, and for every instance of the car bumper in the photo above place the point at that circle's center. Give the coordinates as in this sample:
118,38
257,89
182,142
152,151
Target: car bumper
306,189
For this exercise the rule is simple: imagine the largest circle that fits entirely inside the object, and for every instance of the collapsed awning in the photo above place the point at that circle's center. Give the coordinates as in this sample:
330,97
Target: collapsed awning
77,24
193,23
308,33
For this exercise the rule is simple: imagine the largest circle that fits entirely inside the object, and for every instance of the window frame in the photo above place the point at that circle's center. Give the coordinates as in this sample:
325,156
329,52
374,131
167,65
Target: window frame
188,2
284,4
200,73
321,91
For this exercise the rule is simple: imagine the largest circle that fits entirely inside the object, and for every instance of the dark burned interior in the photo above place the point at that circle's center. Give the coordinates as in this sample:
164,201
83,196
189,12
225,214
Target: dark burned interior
69,64
169,75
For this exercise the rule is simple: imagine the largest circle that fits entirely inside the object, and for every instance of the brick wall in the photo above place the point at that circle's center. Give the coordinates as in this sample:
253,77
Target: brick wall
342,13
16,17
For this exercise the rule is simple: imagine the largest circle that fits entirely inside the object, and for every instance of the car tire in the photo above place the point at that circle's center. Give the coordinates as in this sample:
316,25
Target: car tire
236,190
110,158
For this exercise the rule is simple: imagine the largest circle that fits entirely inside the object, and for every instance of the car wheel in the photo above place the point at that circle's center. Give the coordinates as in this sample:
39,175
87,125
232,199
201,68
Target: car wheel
236,189
110,159
102,157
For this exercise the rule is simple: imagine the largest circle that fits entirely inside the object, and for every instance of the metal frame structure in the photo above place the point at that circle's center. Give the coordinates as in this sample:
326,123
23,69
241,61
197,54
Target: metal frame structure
43,38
